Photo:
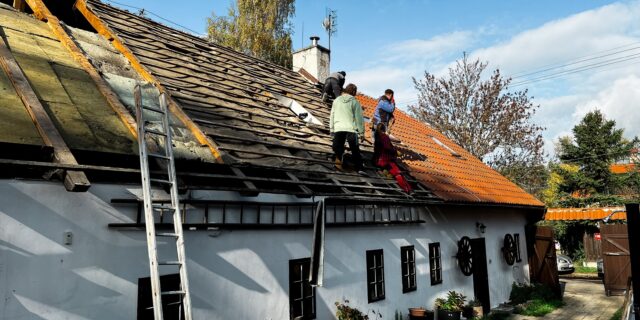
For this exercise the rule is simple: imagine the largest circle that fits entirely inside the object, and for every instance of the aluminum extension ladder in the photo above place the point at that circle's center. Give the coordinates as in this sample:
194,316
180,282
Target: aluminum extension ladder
167,178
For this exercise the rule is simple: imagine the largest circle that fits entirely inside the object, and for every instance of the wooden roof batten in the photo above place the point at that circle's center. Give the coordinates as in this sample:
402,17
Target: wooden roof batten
253,98
73,180
41,12
175,109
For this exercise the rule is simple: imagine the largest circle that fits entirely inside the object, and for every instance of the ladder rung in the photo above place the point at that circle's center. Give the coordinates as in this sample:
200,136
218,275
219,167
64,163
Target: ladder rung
167,293
153,109
159,156
161,207
160,181
167,234
156,132
169,263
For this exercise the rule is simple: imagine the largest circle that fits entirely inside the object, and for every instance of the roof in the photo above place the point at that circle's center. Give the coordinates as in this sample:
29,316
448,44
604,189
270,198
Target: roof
618,168
585,213
69,95
249,111
245,106
457,178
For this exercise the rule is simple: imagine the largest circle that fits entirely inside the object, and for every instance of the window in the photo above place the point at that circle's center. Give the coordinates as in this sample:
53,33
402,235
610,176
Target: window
171,304
435,263
302,296
516,238
408,260
375,275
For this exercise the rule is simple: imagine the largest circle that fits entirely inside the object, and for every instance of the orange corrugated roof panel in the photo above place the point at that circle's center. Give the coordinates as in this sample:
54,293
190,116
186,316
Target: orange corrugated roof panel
462,178
585,213
622,168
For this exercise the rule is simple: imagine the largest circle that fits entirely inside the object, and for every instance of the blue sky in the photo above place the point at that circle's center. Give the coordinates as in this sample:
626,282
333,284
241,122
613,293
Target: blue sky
382,44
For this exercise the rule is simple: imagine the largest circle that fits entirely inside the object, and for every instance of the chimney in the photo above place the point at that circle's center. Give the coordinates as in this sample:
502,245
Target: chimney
314,59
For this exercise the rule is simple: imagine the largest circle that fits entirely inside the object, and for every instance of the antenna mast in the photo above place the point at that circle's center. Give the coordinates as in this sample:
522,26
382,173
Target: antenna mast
330,24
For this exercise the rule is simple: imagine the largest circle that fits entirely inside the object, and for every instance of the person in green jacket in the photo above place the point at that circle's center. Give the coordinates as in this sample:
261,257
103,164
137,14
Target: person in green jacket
347,124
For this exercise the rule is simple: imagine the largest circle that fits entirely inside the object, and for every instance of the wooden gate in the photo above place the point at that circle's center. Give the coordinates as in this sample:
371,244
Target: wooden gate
592,247
617,262
542,257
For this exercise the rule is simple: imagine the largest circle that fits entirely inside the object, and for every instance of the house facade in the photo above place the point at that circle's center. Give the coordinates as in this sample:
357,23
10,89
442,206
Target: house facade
252,148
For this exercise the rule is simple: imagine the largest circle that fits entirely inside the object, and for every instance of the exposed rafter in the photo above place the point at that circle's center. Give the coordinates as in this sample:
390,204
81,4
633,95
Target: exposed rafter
175,109
41,11
73,180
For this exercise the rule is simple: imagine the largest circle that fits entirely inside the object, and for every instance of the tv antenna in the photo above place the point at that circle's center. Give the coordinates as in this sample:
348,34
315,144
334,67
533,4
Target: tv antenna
330,24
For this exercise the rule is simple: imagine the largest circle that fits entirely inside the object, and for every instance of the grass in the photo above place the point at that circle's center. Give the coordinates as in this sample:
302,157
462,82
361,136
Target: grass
534,300
494,316
539,307
581,269
617,315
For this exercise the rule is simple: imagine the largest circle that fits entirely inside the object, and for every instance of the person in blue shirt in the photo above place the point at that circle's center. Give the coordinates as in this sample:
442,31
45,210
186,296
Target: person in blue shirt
384,111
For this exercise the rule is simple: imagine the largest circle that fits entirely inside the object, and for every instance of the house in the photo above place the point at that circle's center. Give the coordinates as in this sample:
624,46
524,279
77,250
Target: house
252,148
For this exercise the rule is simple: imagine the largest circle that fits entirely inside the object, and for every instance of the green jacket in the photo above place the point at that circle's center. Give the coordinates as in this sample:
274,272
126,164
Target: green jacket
346,115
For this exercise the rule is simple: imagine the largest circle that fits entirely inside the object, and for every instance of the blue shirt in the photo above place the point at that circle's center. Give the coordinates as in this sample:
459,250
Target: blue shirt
384,112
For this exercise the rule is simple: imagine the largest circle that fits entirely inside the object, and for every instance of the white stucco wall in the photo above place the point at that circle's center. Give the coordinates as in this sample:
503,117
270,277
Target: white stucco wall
314,60
233,275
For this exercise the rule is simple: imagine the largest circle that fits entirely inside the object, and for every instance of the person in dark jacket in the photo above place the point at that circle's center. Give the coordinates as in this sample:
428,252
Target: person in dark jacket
333,85
385,156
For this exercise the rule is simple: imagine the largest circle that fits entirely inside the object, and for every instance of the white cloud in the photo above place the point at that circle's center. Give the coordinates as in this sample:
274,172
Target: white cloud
398,62
564,39
620,101
615,88
427,49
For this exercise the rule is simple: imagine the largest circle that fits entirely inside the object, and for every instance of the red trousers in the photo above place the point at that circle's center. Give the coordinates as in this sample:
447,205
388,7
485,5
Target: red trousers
396,173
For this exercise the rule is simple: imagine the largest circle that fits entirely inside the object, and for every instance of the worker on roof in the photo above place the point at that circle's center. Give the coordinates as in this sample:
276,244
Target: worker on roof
347,124
384,112
385,156
333,85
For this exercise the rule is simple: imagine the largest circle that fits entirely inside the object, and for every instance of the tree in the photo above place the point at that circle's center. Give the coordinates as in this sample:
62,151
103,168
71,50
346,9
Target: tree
583,178
260,28
485,118
595,146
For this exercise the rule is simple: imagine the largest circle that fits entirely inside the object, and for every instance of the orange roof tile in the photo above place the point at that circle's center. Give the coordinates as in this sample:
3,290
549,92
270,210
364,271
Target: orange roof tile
585,213
457,179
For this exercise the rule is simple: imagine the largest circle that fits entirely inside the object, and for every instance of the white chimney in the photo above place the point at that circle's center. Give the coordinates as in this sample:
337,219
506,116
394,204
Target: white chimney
314,59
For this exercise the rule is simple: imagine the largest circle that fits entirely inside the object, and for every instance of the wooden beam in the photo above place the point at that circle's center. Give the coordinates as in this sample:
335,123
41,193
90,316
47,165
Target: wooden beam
175,109
42,12
19,5
73,180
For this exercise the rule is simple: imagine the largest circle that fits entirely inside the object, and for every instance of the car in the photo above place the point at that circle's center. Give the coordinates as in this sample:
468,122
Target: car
565,265
600,266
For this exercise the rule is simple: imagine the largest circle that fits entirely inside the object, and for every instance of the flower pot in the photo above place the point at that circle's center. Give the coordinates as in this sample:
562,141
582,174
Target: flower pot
448,315
420,314
478,311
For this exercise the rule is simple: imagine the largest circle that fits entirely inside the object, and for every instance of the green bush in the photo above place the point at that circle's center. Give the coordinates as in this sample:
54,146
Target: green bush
344,312
523,293
453,303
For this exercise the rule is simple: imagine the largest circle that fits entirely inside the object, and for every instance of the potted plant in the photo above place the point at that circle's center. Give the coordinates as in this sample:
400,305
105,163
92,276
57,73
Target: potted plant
473,309
344,312
451,307
420,313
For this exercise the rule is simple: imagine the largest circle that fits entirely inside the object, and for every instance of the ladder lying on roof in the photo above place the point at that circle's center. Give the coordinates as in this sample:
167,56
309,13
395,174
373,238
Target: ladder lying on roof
167,178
